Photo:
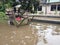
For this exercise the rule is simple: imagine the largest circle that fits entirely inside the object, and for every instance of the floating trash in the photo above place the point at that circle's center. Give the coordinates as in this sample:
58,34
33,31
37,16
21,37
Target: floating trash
27,37
11,37
38,27
14,32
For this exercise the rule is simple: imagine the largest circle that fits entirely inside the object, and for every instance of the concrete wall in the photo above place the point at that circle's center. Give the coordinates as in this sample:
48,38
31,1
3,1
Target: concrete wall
42,12
49,12
46,9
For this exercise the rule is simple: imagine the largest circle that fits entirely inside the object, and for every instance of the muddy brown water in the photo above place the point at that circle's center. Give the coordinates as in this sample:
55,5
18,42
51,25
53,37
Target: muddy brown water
24,35
11,35
48,34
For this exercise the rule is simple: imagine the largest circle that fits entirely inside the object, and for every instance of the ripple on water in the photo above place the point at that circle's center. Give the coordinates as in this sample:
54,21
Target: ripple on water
6,37
23,42
44,33
11,37
27,37
0,34
17,40
6,44
12,40
39,24
14,32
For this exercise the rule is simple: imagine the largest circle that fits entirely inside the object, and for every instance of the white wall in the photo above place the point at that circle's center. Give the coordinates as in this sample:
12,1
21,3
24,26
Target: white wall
41,12
49,12
47,8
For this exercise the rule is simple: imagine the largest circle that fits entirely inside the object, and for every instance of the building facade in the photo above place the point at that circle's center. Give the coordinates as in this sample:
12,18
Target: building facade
49,9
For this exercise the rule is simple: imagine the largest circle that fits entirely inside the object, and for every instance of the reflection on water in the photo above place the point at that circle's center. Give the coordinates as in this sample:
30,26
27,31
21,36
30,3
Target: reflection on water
33,34
48,34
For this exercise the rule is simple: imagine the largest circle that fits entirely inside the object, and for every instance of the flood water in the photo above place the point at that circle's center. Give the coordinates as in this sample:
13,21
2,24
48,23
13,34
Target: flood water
32,34
48,34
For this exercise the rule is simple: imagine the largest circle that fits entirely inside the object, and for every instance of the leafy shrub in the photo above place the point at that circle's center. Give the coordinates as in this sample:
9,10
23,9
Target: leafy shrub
2,15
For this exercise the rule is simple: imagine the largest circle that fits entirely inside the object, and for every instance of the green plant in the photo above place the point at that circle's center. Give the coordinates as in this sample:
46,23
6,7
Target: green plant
2,16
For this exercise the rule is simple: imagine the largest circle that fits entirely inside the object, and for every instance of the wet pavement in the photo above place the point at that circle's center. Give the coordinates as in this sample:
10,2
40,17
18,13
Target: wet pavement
32,34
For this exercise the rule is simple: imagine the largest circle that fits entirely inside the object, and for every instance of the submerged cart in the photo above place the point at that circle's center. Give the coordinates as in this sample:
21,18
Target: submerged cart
16,16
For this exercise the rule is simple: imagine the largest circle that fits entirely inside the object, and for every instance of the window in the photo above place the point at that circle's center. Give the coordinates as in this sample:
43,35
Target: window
53,7
40,8
58,8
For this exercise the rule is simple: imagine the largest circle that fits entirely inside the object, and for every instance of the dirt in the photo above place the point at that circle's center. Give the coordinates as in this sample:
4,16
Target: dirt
11,35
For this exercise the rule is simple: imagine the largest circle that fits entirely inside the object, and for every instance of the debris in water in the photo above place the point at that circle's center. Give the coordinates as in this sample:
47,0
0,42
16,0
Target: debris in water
27,37
38,24
38,27
14,32
11,37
